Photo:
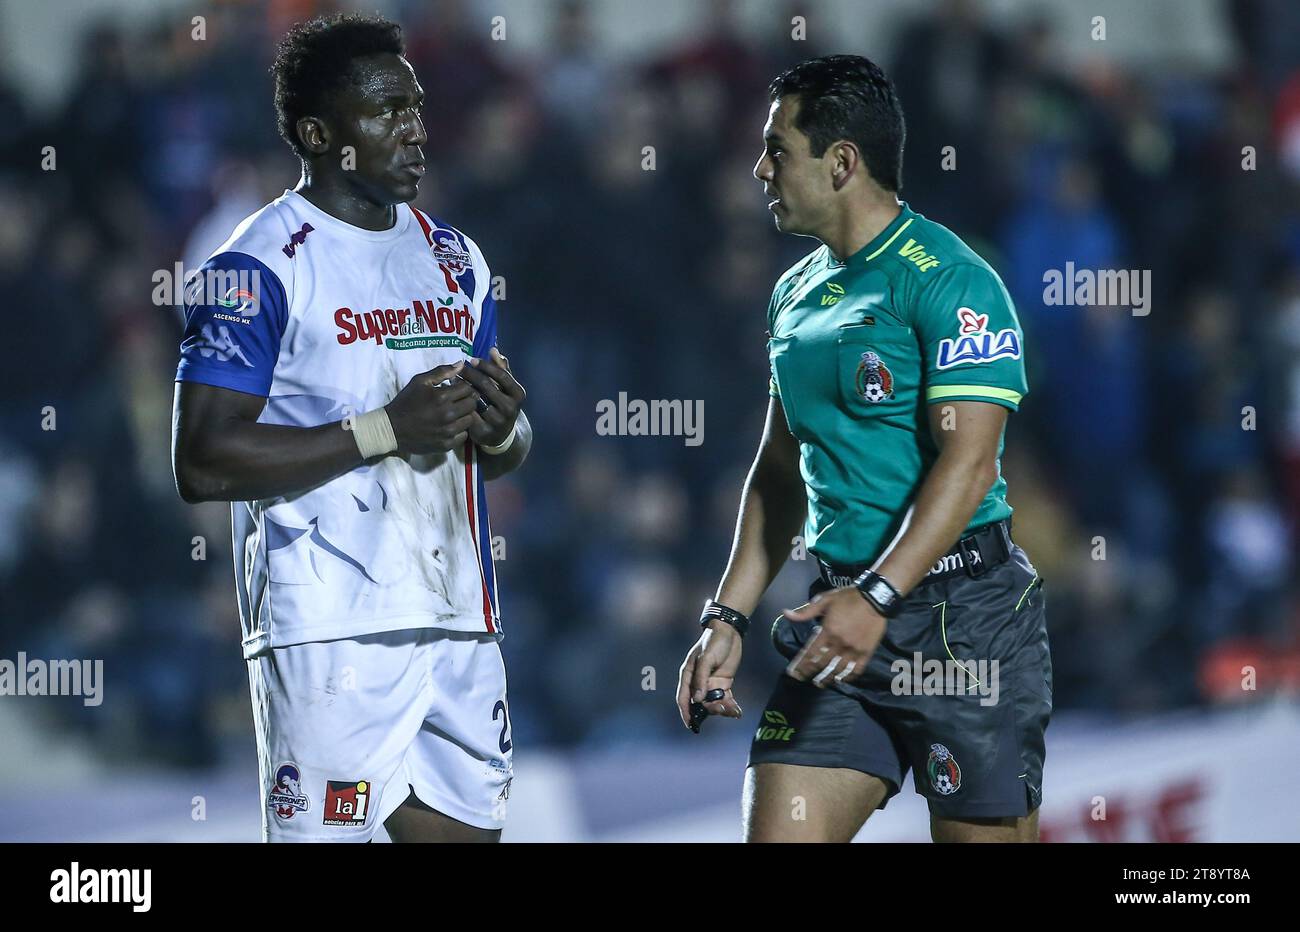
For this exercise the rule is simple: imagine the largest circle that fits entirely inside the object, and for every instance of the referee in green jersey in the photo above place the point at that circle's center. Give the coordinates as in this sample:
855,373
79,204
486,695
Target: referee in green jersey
896,357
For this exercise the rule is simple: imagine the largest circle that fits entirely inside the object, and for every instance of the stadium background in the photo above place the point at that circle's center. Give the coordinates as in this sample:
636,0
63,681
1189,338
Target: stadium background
1124,152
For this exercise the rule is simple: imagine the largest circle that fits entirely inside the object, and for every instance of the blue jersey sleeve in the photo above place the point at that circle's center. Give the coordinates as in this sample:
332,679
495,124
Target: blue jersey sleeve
235,314
485,337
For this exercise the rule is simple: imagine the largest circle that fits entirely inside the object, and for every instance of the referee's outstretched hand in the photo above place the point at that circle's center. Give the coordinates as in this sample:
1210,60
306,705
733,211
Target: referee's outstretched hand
432,415
848,631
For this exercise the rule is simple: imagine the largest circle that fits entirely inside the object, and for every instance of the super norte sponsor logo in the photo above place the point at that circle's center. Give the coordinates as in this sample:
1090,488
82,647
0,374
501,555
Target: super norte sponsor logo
429,323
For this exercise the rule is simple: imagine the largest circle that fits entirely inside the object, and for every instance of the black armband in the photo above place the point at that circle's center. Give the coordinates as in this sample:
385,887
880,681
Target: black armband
880,592
716,610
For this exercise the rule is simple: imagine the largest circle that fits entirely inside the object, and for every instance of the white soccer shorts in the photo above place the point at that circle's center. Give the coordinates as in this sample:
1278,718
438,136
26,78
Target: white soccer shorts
347,729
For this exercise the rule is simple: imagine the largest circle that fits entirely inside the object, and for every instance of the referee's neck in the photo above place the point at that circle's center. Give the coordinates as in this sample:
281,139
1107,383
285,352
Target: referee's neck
862,223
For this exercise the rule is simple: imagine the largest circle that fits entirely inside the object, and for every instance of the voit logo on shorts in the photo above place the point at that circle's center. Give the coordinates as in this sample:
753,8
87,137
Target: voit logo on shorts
775,727
428,323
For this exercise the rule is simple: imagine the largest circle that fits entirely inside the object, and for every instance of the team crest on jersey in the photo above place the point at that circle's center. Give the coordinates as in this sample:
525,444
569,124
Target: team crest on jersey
975,344
945,775
286,797
448,251
346,802
874,381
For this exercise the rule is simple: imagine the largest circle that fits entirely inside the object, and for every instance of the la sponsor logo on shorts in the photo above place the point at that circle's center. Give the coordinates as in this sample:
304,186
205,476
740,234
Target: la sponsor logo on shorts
347,802
1073,287
30,677
657,418
286,797
950,677
80,884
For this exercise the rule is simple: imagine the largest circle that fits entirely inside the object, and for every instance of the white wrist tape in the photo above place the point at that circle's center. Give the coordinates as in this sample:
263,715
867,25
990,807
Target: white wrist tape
502,447
373,432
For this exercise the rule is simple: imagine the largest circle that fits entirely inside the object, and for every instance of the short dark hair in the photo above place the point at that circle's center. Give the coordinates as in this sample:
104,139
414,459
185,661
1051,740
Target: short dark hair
314,60
849,97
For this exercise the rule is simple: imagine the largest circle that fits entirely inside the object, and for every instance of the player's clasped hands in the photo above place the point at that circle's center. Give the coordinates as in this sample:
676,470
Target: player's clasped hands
847,632
432,415
439,409
504,396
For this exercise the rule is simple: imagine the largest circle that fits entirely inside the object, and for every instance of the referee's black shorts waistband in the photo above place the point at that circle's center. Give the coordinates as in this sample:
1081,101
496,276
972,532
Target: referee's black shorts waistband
987,546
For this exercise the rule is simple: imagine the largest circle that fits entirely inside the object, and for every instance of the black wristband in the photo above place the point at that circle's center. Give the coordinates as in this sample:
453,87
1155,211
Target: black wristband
880,592
716,610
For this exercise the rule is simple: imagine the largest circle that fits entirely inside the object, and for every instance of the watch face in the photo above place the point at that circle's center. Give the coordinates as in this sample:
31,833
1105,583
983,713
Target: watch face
881,592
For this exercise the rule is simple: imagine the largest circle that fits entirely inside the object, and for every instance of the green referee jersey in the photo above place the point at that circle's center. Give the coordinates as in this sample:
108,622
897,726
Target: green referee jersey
860,348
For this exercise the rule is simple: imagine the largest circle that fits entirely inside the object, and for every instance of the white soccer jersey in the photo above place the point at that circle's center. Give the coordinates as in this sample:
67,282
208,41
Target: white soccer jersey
326,319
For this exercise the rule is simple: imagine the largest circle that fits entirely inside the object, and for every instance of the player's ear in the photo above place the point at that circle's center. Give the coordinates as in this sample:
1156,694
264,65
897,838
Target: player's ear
313,134
845,161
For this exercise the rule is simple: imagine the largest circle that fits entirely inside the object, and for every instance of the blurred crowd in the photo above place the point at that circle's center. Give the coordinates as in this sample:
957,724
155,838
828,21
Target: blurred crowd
1154,467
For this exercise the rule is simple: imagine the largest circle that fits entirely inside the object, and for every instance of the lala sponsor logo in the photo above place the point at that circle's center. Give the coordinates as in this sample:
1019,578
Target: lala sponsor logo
975,344
428,323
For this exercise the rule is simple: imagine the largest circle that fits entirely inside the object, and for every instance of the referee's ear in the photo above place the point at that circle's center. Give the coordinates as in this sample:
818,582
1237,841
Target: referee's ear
845,162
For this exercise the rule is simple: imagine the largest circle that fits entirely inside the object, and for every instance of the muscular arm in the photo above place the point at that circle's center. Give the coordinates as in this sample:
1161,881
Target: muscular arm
221,453
952,490
771,512
772,508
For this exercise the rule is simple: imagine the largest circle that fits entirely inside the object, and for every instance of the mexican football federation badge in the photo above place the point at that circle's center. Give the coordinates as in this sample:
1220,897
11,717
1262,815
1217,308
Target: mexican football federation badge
874,381
945,775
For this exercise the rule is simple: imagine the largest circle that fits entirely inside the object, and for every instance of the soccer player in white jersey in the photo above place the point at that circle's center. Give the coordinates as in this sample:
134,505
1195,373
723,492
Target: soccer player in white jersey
339,384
